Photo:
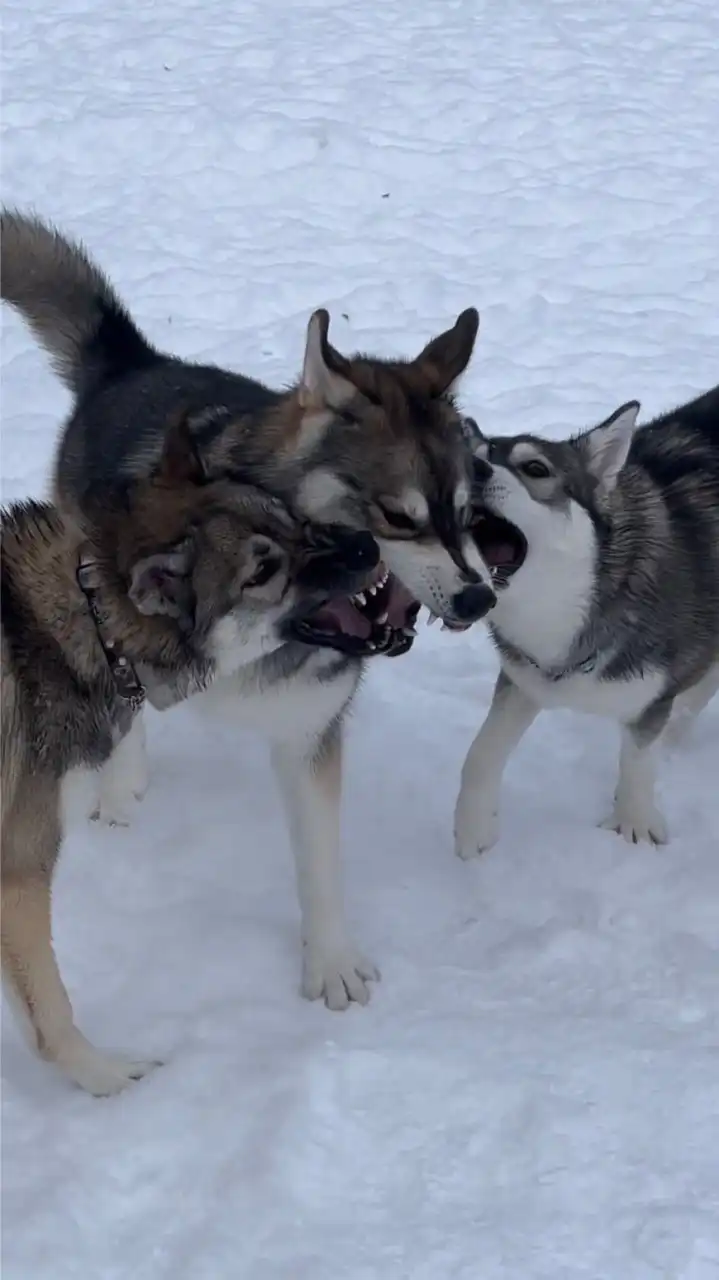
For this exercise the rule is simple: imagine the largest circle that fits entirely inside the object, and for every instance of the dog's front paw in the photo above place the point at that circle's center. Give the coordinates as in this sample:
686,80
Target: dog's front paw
476,825
102,1074
114,809
641,824
110,818
115,805
336,974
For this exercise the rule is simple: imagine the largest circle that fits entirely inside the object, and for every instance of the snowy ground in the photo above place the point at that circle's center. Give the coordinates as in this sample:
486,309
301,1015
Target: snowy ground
533,1093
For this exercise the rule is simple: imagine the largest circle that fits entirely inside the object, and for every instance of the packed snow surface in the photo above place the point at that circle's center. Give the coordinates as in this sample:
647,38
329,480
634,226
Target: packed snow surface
533,1092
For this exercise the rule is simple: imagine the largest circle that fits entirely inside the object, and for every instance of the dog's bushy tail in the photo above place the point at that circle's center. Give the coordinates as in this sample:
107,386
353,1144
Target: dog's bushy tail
69,304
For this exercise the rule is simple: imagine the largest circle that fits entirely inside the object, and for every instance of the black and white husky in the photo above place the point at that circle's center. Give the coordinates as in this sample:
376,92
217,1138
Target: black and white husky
608,595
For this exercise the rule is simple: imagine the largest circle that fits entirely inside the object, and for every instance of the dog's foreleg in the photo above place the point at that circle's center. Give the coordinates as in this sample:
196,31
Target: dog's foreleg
476,821
123,779
311,781
635,816
29,967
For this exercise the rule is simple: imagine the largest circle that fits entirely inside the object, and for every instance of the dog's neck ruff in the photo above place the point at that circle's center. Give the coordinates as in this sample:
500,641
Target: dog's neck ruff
578,664
127,685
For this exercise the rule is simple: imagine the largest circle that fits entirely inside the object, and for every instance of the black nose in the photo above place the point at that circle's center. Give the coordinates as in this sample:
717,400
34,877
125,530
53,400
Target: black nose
472,603
335,551
356,550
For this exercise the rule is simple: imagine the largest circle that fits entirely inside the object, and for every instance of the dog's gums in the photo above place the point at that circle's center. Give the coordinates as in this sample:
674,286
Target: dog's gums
379,619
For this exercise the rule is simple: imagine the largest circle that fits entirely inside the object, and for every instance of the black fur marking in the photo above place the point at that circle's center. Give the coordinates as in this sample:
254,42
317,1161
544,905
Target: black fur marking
117,347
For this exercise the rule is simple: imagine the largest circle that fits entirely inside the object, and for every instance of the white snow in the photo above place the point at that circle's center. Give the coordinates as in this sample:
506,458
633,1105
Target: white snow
533,1093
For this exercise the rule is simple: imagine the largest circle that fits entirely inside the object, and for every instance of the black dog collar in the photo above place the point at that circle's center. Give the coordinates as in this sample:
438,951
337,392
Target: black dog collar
128,687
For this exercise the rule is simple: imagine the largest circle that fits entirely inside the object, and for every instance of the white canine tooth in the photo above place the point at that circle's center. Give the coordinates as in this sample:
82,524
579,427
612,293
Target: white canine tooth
432,619
360,598
371,645
372,591
383,617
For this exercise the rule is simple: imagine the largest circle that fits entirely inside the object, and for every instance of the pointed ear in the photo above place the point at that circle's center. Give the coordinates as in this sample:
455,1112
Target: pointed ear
161,584
446,357
606,447
471,432
180,463
324,383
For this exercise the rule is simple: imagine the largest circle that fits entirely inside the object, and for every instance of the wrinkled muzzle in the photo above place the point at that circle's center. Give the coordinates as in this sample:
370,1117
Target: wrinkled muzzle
350,601
458,594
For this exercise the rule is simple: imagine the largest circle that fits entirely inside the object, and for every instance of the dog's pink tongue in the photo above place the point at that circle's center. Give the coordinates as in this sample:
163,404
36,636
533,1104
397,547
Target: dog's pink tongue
341,615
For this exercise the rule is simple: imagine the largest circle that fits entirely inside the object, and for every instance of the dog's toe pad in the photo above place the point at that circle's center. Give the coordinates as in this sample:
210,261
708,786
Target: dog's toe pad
476,828
638,828
102,1074
338,976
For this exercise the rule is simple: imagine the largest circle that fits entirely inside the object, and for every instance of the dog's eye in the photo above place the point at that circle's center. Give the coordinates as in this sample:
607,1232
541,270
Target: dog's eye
264,572
535,469
398,520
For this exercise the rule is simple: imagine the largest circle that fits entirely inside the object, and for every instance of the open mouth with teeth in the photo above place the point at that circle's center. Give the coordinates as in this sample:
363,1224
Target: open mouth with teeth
379,619
502,546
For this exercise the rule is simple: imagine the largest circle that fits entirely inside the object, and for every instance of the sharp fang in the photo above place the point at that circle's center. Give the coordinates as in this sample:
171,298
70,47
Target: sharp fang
432,619
409,631
383,617
372,591
371,645
361,598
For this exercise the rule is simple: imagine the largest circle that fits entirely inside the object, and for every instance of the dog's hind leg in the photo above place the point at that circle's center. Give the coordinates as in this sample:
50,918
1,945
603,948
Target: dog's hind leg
476,822
690,705
310,782
123,779
36,990
635,815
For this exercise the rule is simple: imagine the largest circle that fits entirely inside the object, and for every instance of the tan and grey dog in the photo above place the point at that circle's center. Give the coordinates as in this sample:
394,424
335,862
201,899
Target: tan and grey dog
163,583
369,443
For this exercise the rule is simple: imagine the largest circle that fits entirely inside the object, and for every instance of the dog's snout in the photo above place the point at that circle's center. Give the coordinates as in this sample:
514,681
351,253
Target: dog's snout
471,604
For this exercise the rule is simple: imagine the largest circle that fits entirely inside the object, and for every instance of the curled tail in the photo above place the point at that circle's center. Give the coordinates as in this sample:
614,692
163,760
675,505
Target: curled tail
69,304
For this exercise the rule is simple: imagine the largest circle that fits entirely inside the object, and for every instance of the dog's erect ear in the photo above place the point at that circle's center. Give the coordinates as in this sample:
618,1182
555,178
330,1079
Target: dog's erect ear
446,357
606,447
161,584
180,463
472,434
324,383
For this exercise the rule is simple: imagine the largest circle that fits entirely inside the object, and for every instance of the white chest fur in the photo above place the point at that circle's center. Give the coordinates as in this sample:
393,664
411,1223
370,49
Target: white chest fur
620,700
546,605
296,708
548,600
